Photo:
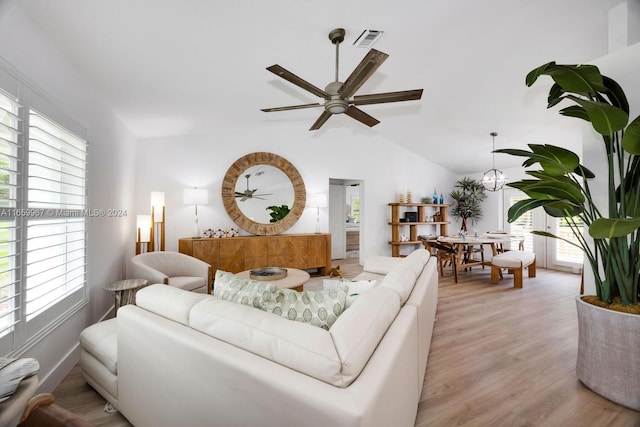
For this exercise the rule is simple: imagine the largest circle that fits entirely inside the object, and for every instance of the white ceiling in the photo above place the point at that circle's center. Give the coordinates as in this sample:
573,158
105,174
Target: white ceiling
170,67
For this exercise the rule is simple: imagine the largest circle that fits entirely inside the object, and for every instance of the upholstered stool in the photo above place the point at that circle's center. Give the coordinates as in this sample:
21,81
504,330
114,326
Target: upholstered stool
514,261
98,359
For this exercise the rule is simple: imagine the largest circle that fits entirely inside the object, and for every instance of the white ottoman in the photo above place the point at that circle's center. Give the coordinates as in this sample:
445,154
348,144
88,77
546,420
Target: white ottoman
514,261
99,357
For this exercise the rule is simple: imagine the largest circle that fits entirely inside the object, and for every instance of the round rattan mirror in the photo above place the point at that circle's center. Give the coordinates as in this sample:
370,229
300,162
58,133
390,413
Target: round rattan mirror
257,182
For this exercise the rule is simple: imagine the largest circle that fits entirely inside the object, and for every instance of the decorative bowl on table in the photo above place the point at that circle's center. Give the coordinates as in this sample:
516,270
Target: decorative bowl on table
268,273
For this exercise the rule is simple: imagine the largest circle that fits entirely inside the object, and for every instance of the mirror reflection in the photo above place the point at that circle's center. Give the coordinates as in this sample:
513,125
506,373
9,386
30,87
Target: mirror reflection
264,194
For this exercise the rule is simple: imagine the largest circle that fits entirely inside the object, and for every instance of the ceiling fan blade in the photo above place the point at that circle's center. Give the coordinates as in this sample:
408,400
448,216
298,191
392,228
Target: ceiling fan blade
321,120
361,116
289,76
363,71
379,98
292,107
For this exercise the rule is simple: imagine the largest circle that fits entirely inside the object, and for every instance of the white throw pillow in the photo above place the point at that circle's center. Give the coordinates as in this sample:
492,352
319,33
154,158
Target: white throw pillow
320,308
230,287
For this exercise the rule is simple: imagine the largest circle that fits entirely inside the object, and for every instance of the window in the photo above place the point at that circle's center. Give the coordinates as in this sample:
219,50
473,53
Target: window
565,252
43,238
9,109
523,226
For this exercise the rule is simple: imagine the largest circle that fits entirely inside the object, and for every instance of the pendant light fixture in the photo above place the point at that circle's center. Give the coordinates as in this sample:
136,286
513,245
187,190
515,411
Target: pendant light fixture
493,179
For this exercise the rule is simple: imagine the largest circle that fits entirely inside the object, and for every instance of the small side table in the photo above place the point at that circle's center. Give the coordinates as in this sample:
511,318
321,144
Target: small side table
295,279
125,291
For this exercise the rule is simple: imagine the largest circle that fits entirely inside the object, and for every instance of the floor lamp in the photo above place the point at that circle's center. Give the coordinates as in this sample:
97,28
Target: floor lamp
317,200
157,221
195,196
143,230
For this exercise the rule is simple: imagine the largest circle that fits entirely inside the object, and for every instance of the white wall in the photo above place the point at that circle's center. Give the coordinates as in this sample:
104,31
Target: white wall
110,180
174,163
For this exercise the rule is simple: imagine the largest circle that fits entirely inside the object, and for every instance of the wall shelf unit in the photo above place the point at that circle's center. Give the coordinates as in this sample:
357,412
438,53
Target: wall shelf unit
433,215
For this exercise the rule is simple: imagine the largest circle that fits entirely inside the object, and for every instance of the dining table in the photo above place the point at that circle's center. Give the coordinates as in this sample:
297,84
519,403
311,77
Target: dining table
464,247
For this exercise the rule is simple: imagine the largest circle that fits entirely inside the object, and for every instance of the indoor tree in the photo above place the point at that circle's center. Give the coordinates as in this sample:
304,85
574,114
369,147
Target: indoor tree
468,196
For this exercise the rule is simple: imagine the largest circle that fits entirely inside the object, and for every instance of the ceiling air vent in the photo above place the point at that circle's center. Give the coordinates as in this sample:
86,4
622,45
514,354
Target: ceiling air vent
367,38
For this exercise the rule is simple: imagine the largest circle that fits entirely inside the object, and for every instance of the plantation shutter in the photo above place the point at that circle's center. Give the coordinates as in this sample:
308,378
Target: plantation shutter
9,244
56,241
523,226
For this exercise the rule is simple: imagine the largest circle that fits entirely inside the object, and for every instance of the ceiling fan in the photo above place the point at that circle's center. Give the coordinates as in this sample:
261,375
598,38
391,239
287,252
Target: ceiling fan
250,194
338,96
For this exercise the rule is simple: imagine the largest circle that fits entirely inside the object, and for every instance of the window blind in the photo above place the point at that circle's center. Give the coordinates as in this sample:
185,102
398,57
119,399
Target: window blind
523,226
56,240
9,179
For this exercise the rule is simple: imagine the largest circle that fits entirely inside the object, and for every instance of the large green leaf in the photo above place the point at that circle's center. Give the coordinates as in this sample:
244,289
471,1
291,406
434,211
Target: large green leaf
631,138
523,206
562,209
553,159
584,172
581,79
606,119
606,228
575,111
556,95
556,189
616,95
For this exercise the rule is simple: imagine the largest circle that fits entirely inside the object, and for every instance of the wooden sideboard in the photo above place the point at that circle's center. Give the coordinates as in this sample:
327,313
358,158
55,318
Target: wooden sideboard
236,254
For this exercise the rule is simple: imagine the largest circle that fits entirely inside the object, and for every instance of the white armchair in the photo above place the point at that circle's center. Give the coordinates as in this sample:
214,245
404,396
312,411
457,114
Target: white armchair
174,269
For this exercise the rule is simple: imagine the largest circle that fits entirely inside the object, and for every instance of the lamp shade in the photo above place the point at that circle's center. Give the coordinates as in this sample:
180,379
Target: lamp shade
195,196
157,203
143,224
317,200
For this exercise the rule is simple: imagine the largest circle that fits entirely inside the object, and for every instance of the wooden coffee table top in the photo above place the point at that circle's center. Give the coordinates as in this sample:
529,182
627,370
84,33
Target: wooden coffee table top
294,280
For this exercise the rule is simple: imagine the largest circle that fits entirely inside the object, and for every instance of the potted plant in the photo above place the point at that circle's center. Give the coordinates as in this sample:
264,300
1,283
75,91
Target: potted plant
467,196
609,340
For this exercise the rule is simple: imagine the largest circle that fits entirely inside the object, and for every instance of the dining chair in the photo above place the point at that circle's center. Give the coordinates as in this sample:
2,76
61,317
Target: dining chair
445,253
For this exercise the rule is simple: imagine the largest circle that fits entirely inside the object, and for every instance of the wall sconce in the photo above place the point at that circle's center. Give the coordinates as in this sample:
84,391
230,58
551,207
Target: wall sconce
317,200
143,229
195,196
158,221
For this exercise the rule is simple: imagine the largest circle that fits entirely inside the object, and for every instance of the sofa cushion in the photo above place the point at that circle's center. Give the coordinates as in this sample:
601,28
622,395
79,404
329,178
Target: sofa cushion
403,276
318,308
355,287
229,287
101,341
292,344
380,264
188,283
359,329
168,301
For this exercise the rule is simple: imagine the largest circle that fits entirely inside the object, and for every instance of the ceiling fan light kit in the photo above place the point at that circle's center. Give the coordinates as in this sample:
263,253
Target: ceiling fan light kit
339,96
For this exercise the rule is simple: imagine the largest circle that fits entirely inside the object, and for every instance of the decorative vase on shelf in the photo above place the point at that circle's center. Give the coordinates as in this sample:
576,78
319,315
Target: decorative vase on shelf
435,197
409,196
402,197
441,199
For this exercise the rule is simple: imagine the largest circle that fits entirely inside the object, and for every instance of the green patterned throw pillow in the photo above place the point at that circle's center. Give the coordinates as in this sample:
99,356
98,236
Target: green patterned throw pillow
318,308
230,287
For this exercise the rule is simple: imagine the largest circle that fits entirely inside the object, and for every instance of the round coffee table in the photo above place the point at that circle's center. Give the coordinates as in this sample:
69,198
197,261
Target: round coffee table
295,279
125,291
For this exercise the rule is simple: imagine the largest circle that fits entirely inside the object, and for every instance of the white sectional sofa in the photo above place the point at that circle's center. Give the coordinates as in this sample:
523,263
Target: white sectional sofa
192,359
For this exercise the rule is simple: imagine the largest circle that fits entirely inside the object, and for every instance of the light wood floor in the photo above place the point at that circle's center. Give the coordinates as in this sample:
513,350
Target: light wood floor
499,357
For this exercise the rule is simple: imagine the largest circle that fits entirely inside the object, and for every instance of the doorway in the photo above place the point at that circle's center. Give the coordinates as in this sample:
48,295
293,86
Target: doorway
345,217
557,254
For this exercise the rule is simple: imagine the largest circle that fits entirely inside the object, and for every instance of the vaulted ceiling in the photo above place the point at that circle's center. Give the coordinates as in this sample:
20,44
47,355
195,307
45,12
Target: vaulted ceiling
169,67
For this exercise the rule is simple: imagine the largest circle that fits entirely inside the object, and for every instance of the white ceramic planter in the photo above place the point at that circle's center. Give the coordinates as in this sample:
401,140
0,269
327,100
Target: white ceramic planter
609,353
